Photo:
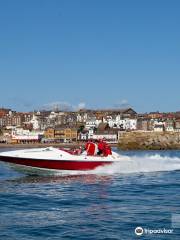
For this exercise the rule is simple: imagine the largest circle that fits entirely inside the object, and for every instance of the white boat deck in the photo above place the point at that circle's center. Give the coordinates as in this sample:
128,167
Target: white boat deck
52,153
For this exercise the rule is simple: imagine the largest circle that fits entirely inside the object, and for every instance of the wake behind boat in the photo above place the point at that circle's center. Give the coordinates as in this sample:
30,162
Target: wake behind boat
54,160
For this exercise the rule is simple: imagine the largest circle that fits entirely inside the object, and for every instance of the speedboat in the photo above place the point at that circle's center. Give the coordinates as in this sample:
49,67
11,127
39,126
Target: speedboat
52,160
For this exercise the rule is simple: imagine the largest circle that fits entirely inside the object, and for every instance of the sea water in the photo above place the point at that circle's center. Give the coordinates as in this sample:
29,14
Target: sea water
142,190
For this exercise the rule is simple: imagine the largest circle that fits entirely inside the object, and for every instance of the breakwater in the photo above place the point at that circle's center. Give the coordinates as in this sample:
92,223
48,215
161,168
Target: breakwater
149,141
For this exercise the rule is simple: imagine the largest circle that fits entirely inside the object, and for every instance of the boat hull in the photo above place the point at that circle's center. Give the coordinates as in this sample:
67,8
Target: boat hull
77,165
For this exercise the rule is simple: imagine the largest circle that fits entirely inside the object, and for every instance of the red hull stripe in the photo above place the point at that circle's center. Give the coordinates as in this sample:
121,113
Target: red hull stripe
55,164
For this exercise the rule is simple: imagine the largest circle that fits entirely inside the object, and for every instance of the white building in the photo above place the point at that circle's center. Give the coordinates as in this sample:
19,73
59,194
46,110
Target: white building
125,124
35,122
169,126
53,115
111,138
130,124
21,135
83,136
90,133
82,117
170,129
92,123
159,126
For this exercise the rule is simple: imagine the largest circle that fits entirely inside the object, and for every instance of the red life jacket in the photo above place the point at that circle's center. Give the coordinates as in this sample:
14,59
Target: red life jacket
101,146
107,150
91,149
87,145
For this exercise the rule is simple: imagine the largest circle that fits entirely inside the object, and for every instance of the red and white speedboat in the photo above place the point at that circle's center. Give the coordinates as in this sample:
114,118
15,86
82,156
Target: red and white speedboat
54,160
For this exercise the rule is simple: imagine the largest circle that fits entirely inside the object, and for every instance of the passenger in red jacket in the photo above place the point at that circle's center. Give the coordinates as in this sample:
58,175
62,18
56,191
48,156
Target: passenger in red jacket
104,148
91,148
100,147
107,150
87,145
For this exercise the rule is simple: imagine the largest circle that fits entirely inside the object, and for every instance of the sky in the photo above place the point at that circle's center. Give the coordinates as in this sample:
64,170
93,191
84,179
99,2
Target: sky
90,53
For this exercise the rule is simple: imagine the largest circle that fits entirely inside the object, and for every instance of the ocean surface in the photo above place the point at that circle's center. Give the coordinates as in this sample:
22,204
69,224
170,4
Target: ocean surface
108,203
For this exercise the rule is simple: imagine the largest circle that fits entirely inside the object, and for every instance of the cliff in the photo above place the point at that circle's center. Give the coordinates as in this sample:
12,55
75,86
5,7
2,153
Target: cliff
149,141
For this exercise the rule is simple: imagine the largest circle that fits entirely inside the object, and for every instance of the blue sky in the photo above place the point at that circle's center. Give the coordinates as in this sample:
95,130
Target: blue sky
93,53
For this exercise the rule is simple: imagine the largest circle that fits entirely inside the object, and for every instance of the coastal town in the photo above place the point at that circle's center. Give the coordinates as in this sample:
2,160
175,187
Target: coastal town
57,126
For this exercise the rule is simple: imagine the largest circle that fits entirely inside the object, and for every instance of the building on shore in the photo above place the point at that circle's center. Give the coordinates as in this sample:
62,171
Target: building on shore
60,134
109,137
20,135
85,123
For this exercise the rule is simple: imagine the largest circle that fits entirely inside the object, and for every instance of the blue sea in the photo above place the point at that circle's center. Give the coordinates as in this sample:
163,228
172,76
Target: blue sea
143,190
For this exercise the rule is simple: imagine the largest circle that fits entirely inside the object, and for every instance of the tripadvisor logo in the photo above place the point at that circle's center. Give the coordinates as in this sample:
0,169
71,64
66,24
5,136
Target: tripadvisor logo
139,231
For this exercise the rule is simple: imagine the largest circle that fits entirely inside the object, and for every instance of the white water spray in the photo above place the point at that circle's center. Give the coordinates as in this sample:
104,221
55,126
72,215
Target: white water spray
133,164
137,164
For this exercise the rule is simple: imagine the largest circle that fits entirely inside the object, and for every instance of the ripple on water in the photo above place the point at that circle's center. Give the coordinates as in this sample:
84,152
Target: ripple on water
91,206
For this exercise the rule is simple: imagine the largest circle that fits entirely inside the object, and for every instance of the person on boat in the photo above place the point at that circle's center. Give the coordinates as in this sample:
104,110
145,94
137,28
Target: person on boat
101,145
91,148
78,151
104,148
96,147
107,150
87,145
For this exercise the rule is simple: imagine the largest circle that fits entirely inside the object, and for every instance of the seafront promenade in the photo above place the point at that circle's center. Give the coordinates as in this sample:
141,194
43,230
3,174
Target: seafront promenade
39,145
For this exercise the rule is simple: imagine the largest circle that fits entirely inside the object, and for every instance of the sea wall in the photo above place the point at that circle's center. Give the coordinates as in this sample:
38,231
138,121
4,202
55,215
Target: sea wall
149,140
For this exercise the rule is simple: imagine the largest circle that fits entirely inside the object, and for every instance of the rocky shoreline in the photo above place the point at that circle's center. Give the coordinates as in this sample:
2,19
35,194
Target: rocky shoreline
149,141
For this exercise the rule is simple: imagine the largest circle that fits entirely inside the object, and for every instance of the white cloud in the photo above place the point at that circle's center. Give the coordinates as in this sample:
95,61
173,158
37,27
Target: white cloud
63,106
57,106
81,105
122,104
124,101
